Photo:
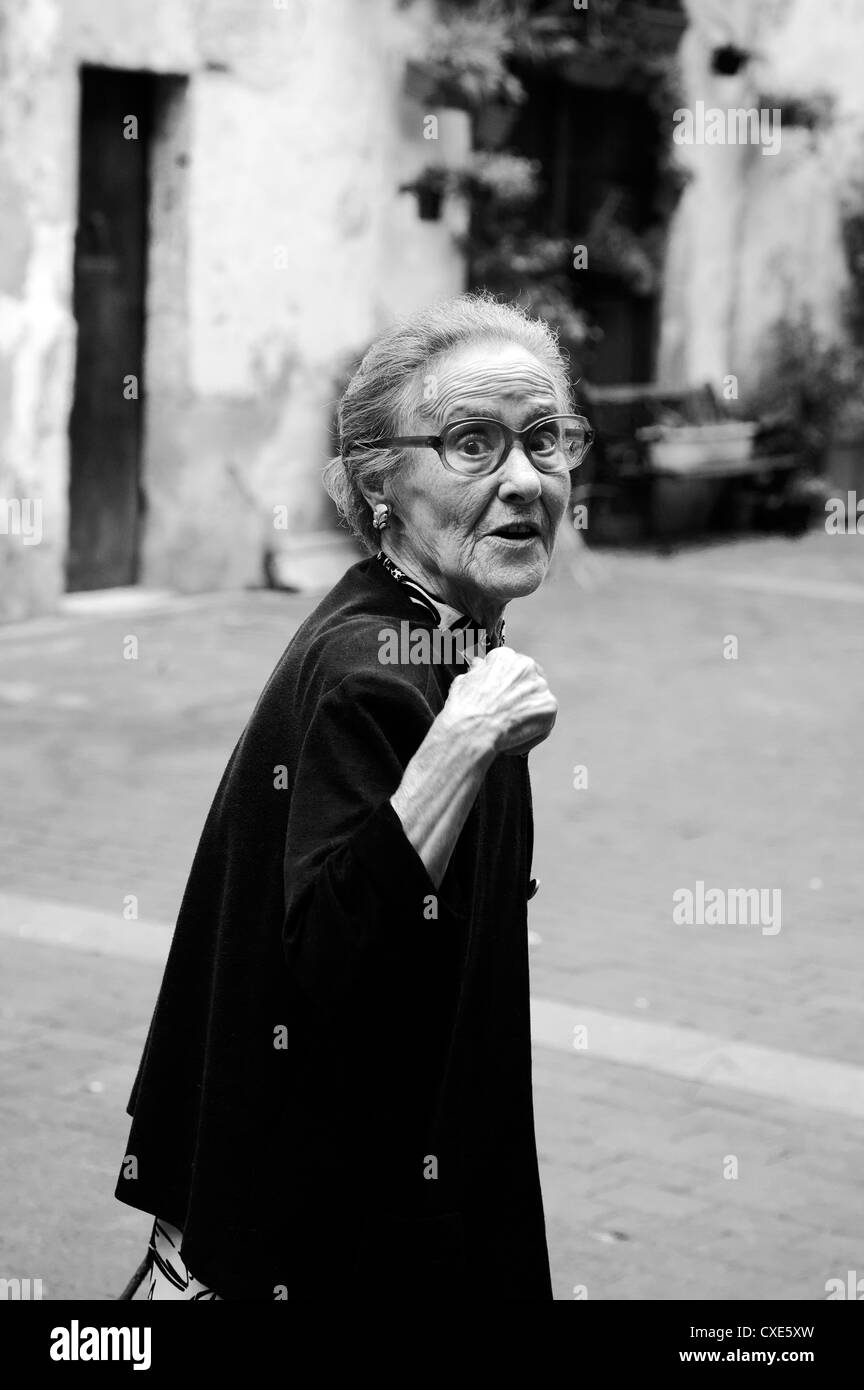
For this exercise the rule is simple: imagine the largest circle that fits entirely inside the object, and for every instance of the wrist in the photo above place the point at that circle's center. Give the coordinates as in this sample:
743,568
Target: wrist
467,739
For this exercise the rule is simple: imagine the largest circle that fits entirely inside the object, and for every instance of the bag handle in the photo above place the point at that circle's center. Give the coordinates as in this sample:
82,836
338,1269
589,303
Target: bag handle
137,1279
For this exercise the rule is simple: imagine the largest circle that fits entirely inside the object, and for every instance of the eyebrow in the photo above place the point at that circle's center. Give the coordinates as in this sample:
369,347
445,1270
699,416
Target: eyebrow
474,409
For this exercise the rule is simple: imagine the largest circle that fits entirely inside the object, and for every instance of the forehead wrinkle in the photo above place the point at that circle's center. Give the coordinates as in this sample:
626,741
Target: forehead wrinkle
497,379
538,407
514,374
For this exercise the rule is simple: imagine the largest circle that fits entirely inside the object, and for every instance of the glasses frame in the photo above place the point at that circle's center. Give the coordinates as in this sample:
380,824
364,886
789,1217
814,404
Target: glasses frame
438,442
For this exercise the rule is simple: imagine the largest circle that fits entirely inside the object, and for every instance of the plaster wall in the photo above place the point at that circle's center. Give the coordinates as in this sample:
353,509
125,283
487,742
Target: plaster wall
757,237
278,245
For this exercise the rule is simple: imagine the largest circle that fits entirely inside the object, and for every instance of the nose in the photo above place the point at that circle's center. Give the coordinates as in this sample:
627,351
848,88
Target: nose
519,478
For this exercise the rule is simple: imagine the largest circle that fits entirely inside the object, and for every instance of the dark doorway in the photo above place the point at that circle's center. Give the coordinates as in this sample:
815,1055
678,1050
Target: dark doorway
599,147
109,288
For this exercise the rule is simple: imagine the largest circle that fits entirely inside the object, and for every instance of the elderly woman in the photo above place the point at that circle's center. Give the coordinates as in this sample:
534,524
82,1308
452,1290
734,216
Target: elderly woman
335,1092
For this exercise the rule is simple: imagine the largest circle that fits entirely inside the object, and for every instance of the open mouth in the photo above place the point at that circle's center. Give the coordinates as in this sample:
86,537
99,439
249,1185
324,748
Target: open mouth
517,531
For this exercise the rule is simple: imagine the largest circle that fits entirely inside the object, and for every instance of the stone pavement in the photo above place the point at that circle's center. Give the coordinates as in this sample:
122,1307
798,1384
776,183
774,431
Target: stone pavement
707,1047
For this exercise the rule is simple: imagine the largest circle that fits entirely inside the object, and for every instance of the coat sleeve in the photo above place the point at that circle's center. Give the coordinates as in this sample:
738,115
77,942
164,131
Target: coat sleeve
358,897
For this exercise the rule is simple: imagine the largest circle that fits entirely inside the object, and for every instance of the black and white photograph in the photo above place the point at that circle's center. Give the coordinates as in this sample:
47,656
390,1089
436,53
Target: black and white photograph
432,667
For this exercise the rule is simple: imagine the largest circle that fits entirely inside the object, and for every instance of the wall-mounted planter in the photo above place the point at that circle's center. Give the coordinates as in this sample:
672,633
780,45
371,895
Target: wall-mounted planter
805,111
728,59
429,204
688,449
429,189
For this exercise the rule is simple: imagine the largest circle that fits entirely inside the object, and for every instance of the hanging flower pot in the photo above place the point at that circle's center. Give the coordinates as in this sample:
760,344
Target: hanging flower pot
728,59
429,188
429,202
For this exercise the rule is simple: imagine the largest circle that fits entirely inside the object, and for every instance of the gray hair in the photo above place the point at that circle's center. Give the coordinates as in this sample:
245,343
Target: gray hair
386,387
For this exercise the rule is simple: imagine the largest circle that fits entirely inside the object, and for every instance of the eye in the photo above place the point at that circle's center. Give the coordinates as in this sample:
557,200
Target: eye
546,439
473,441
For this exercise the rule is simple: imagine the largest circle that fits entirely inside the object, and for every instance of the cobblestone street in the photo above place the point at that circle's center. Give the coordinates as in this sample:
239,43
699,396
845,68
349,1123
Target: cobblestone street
702,1044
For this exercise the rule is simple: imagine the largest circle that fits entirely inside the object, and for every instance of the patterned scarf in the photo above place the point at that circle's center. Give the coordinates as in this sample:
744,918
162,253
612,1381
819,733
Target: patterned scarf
444,614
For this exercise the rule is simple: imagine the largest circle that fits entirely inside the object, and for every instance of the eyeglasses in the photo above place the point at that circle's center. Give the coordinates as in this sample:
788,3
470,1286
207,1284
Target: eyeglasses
473,448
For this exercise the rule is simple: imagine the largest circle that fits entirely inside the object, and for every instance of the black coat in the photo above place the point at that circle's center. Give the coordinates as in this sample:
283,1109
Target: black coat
335,1093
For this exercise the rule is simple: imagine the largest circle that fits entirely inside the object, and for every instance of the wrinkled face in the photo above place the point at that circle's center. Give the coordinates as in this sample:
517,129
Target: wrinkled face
445,526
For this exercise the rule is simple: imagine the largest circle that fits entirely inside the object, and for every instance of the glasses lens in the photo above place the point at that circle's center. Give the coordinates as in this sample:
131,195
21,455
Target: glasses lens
558,443
474,446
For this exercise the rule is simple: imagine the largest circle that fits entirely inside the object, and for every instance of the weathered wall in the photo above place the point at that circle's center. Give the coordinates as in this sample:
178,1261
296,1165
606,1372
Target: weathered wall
757,236
279,245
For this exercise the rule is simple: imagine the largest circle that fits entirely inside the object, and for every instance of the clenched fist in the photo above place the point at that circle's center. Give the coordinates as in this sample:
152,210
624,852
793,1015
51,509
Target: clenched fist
507,695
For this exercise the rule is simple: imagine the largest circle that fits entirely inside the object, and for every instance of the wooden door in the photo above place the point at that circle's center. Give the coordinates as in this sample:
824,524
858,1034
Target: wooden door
109,289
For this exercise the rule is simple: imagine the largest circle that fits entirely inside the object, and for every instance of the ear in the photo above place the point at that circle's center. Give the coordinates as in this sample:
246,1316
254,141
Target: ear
373,495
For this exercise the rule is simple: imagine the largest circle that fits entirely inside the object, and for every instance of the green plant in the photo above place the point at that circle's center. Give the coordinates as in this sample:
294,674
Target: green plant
631,257
506,180
476,57
810,380
509,180
465,59
635,39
